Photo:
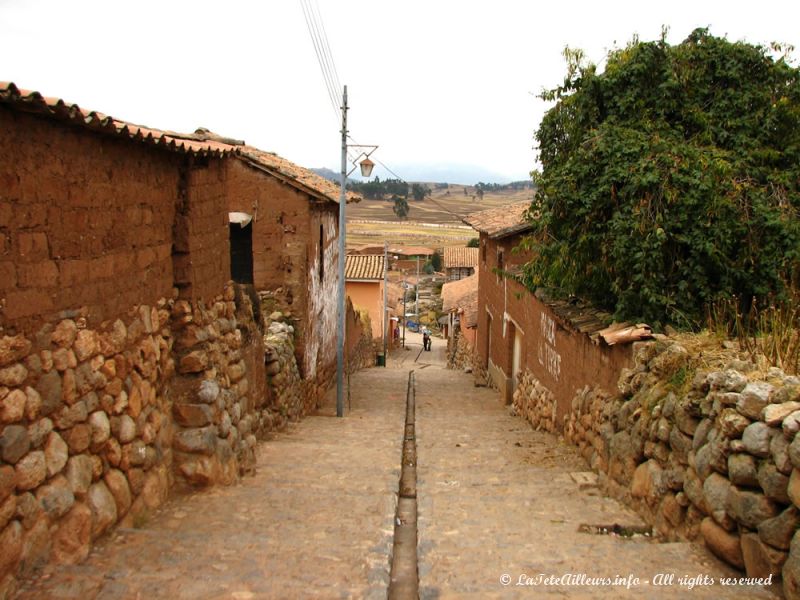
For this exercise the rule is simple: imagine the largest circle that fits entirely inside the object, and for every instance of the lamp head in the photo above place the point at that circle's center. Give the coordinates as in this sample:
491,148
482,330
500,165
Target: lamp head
366,167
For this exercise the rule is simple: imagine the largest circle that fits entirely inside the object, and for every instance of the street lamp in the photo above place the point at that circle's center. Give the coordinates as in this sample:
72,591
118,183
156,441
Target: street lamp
366,171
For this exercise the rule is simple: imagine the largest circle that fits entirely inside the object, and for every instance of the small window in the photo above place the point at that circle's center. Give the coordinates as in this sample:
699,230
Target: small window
500,263
241,239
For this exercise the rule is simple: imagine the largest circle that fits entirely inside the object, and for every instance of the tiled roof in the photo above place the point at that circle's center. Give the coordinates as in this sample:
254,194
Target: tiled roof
202,141
501,221
460,256
462,297
34,102
364,267
411,250
294,175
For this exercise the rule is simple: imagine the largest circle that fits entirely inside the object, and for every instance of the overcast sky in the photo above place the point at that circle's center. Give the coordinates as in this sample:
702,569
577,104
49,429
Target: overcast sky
447,88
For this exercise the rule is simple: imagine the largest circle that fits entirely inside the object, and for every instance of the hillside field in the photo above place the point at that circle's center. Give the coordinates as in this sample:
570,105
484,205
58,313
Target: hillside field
442,208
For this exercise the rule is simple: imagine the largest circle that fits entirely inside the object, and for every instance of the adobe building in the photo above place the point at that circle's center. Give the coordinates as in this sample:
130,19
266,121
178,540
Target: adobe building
129,361
460,302
459,262
561,345
364,285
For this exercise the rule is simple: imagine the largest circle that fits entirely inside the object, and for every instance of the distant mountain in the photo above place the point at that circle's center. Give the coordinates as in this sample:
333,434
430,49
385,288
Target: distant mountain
450,173
328,174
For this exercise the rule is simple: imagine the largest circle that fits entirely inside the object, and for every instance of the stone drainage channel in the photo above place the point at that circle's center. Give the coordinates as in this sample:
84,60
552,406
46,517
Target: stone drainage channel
404,583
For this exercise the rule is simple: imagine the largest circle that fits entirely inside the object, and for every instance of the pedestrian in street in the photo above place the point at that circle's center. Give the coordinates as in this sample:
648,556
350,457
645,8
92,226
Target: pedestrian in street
426,339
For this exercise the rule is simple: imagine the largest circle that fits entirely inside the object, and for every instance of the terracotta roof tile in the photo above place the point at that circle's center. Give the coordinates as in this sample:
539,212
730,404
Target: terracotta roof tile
202,141
501,221
56,108
364,267
462,297
459,256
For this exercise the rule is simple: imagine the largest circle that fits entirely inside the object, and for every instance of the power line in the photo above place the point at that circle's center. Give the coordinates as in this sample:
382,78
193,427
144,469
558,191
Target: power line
325,61
327,47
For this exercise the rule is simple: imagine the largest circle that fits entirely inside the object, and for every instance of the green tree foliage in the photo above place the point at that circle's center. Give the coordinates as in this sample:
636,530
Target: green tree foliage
474,243
500,187
400,207
378,190
419,191
436,261
671,179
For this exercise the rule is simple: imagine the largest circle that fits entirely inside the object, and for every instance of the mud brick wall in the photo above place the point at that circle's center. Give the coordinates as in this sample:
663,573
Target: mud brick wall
85,220
708,454
554,351
294,252
92,411
202,253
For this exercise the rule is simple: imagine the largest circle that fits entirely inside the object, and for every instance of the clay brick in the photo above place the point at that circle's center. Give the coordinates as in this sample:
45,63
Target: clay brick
102,268
42,274
32,245
8,275
25,303
144,258
73,271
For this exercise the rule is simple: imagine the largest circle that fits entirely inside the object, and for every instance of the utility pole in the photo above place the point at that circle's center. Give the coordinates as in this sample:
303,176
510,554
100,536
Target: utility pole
340,329
416,289
404,310
385,301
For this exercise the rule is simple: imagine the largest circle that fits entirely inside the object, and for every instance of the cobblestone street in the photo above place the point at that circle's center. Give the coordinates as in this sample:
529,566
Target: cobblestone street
497,503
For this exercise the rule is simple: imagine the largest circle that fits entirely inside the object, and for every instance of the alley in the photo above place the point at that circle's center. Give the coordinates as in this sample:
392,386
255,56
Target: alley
498,504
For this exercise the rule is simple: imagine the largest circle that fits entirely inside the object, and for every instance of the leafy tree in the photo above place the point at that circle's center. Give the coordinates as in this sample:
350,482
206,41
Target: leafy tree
436,261
671,179
400,207
474,243
377,189
419,191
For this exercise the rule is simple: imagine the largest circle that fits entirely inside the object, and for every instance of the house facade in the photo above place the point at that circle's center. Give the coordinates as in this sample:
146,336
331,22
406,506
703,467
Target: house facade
520,332
460,302
459,262
130,363
364,285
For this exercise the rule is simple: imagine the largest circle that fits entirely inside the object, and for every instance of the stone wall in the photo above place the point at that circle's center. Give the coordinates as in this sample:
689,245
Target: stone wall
87,433
699,452
360,350
533,401
217,398
98,423
461,354
288,400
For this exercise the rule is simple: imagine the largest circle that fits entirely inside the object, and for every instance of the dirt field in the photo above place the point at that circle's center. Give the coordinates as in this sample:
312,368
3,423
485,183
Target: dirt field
436,221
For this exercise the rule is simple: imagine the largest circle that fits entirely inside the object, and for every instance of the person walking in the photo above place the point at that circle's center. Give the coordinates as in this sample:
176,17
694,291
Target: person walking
426,339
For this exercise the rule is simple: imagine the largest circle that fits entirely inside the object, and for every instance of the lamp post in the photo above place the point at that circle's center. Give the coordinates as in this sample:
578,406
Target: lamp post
366,171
